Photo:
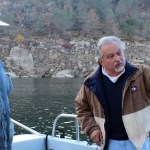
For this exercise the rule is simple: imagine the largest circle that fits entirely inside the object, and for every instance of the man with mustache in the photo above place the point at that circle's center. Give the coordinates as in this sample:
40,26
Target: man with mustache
113,104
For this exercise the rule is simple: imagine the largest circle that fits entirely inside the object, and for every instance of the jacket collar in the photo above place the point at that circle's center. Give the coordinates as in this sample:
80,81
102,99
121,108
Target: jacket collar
95,82
92,81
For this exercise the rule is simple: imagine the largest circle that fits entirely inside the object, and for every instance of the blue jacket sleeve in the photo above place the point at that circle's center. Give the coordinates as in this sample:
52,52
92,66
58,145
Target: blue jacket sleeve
5,80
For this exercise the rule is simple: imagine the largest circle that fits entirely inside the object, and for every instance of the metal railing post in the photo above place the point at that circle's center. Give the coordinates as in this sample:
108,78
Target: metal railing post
67,116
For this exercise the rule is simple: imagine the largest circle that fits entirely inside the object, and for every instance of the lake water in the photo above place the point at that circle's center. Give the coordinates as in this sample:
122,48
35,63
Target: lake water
35,102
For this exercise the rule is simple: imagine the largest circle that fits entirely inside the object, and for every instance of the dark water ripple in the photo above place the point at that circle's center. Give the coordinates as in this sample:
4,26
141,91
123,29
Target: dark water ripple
35,102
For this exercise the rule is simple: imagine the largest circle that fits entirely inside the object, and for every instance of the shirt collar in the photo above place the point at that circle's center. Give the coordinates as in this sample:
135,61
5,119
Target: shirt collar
113,79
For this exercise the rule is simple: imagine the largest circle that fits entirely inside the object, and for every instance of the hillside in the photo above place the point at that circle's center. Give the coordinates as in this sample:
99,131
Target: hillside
72,18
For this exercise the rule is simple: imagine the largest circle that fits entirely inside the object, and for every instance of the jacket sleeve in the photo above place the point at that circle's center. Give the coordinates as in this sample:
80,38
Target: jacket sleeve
5,79
84,111
9,84
147,78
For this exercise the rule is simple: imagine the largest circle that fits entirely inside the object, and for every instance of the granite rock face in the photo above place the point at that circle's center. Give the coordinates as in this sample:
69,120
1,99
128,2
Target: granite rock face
47,57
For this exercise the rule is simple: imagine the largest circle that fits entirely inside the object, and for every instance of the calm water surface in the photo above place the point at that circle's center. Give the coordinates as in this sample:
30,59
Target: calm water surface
35,102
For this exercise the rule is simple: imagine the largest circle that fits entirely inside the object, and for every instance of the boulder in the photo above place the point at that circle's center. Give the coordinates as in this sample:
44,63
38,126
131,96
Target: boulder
64,74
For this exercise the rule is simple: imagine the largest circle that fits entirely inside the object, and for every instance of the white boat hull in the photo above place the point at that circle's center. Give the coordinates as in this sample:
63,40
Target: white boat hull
28,142
37,142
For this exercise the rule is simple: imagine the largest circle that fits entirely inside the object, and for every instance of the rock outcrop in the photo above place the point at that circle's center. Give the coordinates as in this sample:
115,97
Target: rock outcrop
47,57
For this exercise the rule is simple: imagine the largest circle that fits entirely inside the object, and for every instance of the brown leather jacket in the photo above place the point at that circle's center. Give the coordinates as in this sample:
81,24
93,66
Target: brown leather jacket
135,107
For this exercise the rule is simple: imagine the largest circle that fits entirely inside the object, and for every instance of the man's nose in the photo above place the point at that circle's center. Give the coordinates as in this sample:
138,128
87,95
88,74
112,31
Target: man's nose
117,58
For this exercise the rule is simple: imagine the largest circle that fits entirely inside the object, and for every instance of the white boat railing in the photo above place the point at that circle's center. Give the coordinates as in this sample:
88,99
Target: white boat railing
54,125
67,116
24,127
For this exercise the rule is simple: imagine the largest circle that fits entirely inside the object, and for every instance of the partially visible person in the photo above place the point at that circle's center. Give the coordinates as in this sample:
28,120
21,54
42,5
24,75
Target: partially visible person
113,104
6,126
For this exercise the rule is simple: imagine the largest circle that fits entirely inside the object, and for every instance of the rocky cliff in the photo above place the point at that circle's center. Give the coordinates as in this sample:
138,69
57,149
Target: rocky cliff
47,57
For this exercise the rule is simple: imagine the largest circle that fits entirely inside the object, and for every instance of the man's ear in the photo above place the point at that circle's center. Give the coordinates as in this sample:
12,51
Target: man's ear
100,61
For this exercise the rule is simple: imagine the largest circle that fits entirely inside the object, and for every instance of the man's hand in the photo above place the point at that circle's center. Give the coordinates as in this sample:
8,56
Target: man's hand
96,137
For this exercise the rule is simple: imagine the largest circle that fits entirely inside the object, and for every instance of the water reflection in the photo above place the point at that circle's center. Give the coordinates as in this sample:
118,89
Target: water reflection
35,102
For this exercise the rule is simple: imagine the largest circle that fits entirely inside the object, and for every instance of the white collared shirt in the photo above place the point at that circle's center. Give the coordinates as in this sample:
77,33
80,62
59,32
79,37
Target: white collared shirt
113,79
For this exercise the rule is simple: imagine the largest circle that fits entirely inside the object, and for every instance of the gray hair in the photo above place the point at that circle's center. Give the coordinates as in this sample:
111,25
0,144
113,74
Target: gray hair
105,41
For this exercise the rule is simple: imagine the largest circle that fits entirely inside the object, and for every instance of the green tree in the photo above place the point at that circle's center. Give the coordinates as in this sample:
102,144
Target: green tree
127,15
39,26
62,19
